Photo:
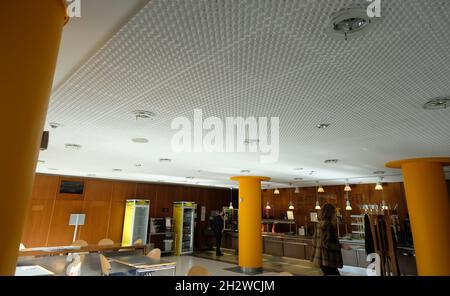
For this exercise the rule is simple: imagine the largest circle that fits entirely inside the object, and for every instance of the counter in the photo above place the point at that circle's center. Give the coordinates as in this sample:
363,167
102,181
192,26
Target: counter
300,247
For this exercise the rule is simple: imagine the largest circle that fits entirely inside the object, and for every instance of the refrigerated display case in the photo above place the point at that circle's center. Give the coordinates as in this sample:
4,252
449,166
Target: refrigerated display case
183,227
135,224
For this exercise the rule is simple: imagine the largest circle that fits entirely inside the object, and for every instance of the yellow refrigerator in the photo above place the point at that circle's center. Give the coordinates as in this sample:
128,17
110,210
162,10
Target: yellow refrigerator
136,221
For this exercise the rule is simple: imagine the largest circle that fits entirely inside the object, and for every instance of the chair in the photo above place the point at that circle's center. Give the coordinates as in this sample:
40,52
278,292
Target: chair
198,270
154,254
106,267
80,243
74,268
106,242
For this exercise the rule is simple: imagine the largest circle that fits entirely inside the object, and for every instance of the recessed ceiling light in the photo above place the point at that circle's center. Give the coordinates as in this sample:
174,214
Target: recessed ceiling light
311,172
348,22
245,171
138,165
140,140
323,125
73,146
331,161
298,179
437,104
116,170
251,141
298,169
143,114
379,173
165,160
54,125
53,169
190,178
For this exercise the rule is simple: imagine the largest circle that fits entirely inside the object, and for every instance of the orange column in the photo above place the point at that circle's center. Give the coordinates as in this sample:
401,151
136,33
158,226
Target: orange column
30,33
429,211
250,236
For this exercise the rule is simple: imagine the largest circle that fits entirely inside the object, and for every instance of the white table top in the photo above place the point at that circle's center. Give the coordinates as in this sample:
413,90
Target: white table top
33,270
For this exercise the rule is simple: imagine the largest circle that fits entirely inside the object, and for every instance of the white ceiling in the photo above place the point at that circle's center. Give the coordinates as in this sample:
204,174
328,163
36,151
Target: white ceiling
250,58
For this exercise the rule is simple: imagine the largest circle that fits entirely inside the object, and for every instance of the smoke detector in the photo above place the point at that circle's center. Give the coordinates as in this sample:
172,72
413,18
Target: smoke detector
349,22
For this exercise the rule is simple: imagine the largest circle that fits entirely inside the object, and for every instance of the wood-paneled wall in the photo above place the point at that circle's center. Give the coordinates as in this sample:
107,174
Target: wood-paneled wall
104,206
304,202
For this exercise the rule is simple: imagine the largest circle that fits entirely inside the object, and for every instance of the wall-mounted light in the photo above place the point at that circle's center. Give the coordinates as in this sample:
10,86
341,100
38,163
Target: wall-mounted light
297,190
320,189
347,188
268,206
291,206
276,191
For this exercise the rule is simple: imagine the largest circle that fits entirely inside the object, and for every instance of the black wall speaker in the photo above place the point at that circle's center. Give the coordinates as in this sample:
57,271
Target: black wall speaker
44,140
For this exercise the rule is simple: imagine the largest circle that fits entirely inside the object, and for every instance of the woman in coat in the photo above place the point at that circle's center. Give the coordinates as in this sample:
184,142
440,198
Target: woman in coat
326,247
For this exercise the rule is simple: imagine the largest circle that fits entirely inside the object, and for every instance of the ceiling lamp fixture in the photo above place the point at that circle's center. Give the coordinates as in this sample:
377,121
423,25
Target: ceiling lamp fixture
276,191
268,206
348,22
317,205
437,104
231,199
379,186
297,190
320,189
347,187
348,206
291,206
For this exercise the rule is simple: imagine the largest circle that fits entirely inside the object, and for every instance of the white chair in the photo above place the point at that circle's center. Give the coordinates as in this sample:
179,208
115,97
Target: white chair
74,268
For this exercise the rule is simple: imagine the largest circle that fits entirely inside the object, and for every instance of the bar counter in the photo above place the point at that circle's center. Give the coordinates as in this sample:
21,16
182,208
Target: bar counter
300,247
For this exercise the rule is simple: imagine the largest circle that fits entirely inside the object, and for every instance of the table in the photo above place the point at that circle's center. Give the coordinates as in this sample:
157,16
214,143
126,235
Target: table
58,264
63,250
143,264
33,270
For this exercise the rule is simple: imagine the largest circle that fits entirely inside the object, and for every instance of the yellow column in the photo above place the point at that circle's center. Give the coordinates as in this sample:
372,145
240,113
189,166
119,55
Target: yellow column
429,211
250,236
30,33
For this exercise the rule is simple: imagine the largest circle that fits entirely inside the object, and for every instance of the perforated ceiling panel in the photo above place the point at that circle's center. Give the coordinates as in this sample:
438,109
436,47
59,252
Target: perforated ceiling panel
259,58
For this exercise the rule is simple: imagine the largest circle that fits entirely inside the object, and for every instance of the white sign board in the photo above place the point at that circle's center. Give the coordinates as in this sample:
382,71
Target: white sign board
77,219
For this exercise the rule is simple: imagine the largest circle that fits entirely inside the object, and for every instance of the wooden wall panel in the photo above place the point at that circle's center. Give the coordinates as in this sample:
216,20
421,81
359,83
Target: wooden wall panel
97,219
104,206
61,233
38,223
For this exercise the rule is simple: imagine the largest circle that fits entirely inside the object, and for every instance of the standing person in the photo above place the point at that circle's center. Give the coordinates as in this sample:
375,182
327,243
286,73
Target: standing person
217,227
326,247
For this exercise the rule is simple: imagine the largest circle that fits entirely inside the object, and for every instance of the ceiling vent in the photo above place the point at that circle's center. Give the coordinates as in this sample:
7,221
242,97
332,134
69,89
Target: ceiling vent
347,23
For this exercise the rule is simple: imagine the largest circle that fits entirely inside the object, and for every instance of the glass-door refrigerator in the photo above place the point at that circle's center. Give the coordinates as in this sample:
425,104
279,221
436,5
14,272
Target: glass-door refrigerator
183,225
